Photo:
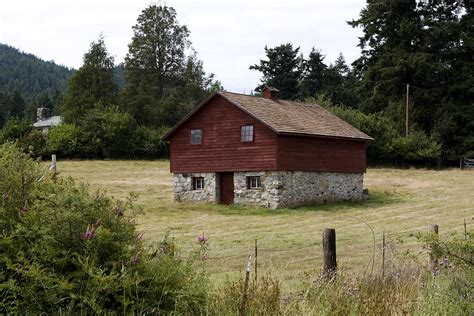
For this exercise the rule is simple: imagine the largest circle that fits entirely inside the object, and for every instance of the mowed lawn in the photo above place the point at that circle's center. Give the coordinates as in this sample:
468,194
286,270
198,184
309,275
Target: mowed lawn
289,240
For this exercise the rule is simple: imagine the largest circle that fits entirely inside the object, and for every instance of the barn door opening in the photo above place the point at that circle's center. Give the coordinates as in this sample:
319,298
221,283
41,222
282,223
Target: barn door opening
226,188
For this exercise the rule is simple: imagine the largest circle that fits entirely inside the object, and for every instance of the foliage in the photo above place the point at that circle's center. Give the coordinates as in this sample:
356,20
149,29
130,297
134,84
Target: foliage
107,130
162,82
282,70
20,131
264,297
29,75
63,140
429,46
64,250
388,145
12,105
92,85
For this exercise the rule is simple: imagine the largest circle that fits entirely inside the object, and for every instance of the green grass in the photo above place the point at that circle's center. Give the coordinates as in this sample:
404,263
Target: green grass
289,240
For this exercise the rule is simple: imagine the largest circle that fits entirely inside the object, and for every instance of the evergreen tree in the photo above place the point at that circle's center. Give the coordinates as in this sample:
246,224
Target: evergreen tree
315,75
282,70
162,82
429,46
30,75
341,83
92,86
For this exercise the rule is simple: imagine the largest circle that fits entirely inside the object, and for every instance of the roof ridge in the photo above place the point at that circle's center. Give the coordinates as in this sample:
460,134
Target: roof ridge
274,100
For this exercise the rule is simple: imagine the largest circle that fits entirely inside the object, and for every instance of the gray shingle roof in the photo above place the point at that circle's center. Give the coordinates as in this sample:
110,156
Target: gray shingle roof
49,122
288,117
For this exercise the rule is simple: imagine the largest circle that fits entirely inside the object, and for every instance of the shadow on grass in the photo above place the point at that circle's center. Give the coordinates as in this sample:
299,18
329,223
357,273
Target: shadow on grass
375,199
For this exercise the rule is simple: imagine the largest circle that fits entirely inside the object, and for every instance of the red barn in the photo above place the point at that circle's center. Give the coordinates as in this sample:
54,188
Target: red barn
241,149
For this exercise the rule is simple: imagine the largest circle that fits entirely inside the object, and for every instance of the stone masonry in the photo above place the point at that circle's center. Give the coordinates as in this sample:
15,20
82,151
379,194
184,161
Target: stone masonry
279,188
183,188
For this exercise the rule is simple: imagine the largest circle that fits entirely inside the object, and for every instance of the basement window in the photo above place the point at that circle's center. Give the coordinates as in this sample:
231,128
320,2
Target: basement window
246,133
196,136
254,182
198,183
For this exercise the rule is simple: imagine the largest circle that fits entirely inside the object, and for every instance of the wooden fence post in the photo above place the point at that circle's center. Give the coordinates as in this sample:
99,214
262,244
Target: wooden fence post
383,254
461,162
433,262
53,163
246,286
465,230
329,253
256,260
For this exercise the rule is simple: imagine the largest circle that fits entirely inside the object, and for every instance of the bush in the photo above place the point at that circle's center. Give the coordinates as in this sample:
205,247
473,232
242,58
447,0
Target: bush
66,250
417,146
63,140
29,140
147,143
388,145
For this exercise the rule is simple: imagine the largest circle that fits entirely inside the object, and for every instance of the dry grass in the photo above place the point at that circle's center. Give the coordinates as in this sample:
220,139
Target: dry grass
402,201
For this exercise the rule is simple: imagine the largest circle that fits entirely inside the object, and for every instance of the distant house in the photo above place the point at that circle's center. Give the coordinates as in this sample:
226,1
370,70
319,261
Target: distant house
240,149
45,122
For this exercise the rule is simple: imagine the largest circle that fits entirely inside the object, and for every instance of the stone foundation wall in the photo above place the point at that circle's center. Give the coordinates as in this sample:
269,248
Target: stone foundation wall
293,188
279,188
183,188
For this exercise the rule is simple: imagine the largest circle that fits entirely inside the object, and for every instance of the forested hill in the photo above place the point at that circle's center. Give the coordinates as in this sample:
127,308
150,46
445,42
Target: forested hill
30,75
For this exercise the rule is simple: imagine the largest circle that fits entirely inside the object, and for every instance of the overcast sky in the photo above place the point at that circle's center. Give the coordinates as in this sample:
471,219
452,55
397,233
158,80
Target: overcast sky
228,35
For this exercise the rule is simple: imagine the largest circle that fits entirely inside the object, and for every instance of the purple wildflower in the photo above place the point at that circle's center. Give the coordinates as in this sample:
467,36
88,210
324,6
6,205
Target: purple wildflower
24,209
202,239
89,233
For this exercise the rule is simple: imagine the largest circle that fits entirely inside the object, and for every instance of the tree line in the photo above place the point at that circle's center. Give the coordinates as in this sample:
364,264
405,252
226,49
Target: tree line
120,111
415,52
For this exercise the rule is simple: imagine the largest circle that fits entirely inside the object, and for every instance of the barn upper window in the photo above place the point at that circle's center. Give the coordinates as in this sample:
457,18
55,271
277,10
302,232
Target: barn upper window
246,133
254,182
196,136
198,183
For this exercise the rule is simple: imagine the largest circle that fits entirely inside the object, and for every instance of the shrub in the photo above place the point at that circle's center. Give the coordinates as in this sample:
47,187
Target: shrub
66,250
107,130
63,139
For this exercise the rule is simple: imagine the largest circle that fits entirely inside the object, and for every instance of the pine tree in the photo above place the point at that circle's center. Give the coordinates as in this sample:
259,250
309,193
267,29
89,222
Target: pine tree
92,85
282,70
315,75
155,63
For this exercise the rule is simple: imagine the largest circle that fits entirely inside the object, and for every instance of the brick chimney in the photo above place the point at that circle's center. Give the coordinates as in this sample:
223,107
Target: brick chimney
41,114
270,92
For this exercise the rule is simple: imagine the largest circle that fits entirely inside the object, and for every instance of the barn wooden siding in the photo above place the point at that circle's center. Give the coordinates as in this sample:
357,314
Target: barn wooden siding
300,153
221,149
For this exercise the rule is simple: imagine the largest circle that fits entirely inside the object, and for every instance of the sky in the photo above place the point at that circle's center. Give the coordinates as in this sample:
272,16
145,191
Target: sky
228,35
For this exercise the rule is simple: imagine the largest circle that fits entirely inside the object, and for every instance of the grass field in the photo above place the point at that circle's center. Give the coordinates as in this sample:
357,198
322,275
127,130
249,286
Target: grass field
289,240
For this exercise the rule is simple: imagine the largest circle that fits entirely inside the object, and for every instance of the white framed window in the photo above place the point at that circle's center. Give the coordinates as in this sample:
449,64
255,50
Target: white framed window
198,183
246,133
196,136
254,182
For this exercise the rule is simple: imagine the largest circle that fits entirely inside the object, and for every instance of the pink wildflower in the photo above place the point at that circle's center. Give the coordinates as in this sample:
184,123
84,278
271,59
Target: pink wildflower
91,229
89,233
202,239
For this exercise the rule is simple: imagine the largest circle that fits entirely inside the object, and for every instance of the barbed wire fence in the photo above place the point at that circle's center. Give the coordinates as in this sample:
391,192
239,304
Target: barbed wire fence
267,258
